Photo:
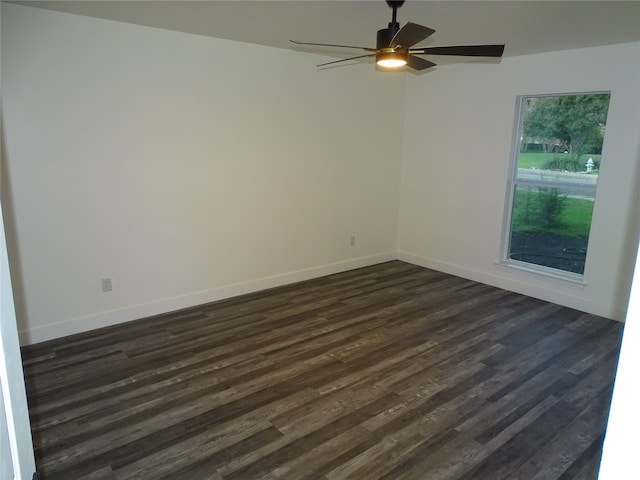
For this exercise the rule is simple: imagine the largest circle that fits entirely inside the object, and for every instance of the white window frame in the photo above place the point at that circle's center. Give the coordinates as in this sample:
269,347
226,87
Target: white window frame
513,181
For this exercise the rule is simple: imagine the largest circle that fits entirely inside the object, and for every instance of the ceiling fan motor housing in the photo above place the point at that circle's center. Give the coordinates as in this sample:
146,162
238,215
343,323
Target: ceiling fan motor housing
385,36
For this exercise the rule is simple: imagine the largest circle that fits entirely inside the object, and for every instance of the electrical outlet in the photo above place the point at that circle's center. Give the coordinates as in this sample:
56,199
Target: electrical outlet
106,285
353,240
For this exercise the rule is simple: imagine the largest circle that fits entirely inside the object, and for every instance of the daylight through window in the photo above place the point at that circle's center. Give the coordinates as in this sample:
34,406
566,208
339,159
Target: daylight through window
553,181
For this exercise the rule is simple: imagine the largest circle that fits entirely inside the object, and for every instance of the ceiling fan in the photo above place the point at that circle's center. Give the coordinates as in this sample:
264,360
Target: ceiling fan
394,46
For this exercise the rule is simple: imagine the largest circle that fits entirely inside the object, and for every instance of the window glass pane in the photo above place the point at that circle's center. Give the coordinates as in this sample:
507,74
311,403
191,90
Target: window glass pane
554,179
550,226
561,133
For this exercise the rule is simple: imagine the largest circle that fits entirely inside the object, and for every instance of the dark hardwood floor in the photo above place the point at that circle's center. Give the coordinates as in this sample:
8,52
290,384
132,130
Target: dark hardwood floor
387,372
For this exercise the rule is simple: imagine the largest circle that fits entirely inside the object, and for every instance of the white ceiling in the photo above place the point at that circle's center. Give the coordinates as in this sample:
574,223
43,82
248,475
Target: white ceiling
525,27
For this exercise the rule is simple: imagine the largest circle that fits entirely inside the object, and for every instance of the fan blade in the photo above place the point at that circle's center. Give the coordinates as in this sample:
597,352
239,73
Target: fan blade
345,60
409,35
462,50
332,45
418,63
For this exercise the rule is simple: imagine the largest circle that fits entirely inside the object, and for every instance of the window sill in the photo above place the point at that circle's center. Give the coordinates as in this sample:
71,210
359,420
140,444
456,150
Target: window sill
558,277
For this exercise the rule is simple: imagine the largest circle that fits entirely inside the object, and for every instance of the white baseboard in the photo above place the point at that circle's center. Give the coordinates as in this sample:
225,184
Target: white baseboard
552,292
134,312
548,293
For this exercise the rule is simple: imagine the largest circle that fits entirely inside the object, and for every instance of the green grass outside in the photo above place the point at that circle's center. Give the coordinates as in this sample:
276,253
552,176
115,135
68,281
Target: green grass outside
574,220
534,160
537,160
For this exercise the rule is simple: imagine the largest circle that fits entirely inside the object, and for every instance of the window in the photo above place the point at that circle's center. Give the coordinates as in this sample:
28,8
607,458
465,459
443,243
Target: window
552,185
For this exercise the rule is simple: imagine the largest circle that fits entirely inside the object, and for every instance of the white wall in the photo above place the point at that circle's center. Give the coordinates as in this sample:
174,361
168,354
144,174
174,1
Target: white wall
185,168
458,136
619,453
16,446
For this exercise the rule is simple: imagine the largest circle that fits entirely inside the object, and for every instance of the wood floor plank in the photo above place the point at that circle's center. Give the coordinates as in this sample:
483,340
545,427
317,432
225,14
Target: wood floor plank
554,458
392,371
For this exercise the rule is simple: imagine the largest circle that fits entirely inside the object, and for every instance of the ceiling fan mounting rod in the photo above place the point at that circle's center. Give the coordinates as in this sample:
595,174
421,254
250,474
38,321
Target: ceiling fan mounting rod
394,4
386,34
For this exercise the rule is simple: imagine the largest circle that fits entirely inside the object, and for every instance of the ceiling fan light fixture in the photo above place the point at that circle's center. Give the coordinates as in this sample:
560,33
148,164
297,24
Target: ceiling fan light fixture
391,59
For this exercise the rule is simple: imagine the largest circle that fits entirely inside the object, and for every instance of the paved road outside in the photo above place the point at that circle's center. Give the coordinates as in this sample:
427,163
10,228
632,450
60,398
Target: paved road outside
580,185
